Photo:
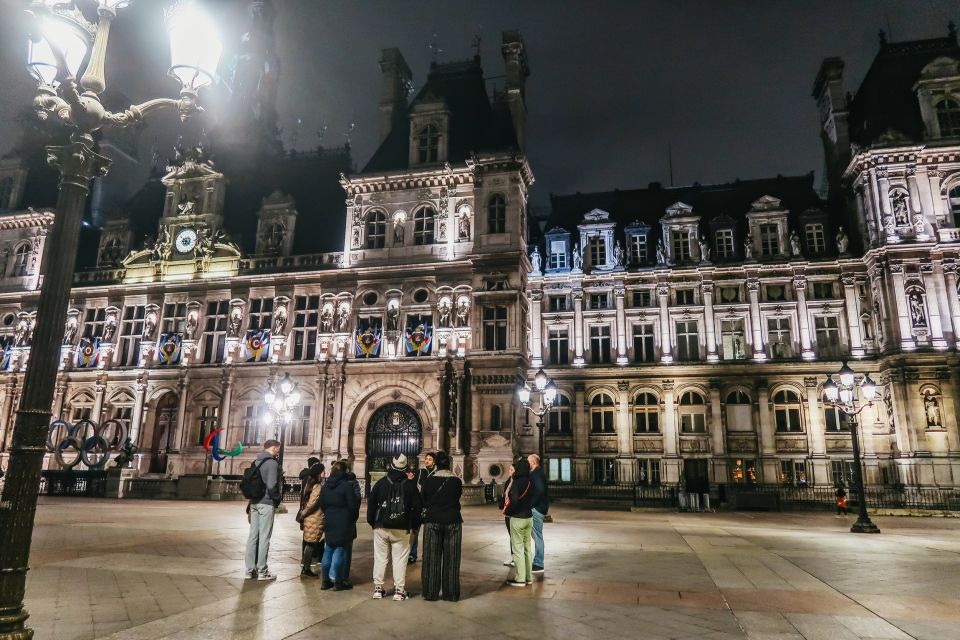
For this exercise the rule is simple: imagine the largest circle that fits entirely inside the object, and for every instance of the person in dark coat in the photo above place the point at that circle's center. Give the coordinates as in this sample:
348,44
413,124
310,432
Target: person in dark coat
519,506
501,504
348,550
429,466
540,498
341,508
442,531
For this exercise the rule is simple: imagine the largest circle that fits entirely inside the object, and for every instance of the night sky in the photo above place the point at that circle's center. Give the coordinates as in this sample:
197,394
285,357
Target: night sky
613,85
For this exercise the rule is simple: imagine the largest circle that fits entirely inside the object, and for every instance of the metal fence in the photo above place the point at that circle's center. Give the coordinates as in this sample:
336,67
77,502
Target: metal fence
788,497
636,494
89,484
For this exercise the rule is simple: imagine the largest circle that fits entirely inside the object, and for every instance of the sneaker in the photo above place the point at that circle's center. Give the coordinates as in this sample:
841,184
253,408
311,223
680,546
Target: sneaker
251,575
509,563
378,593
307,573
342,586
266,575
399,596
516,583
537,569
327,584
411,560
529,581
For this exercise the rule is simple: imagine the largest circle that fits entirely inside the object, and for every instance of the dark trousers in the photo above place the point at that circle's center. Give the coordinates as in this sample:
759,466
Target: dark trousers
441,561
347,559
506,521
311,550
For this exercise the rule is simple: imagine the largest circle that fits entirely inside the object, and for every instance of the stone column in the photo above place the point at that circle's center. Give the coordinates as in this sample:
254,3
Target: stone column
933,306
753,289
624,421
718,436
578,327
136,417
907,340
671,462
916,205
945,301
953,299
99,391
180,430
816,434
853,315
905,435
803,318
58,399
663,295
711,328
581,433
768,441
536,329
619,294
883,198
316,428
936,203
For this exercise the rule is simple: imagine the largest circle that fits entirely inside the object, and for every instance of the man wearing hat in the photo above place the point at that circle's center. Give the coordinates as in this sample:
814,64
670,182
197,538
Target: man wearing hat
393,510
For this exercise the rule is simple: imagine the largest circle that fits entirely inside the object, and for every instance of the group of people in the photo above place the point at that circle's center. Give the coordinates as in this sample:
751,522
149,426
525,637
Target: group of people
399,505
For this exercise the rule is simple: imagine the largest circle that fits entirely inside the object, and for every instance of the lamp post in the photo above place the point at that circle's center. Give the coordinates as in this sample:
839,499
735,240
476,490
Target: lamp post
842,397
62,44
280,401
548,396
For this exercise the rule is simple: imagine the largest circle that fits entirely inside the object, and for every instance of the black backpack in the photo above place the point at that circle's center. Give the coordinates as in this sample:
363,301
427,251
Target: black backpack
392,513
252,486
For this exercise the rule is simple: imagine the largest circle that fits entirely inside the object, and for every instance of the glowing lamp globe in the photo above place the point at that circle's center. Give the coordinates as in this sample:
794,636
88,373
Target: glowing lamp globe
846,375
869,388
550,393
846,395
286,385
269,396
540,380
831,389
194,47
524,394
61,34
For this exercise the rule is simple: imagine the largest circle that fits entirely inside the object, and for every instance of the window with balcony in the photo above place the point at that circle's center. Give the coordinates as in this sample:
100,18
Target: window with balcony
733,344
779,338
559,345
688,341
646,413
601,414
600,344
693,413
786,411
643,344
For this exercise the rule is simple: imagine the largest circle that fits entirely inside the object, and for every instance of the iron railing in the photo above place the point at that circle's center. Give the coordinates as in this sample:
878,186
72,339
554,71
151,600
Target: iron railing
639,495
89,484
895,497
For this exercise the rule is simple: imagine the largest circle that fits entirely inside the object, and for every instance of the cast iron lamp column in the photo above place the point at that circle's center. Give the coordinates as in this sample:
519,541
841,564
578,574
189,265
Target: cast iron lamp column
62,44
280,404
548,395
841,397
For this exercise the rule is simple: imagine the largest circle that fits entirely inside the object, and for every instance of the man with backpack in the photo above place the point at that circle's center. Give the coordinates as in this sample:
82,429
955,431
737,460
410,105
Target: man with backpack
393,510
261,486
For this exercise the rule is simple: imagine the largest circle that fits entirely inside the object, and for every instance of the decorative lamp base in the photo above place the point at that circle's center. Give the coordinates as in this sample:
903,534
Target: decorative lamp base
864,527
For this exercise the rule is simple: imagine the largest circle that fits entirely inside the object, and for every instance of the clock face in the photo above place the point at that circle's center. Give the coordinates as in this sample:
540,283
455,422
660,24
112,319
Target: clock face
186,240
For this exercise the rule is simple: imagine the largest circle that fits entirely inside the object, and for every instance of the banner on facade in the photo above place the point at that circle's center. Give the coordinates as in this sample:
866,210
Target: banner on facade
88,353
169,349
368,337
256,348
418,337
6,355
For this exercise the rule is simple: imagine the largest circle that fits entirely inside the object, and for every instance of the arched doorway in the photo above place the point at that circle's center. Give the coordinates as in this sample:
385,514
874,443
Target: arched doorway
163,425
393,429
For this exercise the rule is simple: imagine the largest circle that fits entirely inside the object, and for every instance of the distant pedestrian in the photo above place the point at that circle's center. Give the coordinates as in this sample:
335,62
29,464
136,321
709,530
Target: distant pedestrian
442,531
393,510
310,518
429,467
501,504
341,508
519,507
266,471
540,499
841,496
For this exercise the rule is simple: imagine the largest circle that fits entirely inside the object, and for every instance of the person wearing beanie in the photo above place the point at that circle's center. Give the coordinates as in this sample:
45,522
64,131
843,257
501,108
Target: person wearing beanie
306,470
310,518
519,507
442,531
393,510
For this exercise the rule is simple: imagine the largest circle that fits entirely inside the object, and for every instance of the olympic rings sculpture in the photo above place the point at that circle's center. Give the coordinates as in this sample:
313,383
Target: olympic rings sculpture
212,444
91,444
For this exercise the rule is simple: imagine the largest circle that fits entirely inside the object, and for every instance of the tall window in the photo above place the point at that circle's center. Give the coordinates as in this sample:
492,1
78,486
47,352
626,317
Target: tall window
680,241
641,298
693,413
779,338
954,197
298,431
724,243
821,290
558,303
215,333
376,230
599,300
648,472
497,214
948,117
21,259
793,472
601,414
428,144
174,317
842,472
769,240
646,413
638,249
733,343
558,255
305,316
131,331
261,313
816,239
496,417
559,345
604,471
600,344
688,341
123,415
786,411
685,296
643,343
494,328
423,226
597,249
558,422
833,418
207,420
828,336
252,427
93,322
738,410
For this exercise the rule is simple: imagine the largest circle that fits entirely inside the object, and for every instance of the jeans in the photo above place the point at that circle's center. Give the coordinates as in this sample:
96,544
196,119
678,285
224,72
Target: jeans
537,538
258,540
521,544
347,560
332,564
415,543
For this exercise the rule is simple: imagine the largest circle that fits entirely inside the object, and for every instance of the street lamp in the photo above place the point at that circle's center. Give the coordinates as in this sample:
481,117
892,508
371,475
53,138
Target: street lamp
62,45
280,401
841,397
548,396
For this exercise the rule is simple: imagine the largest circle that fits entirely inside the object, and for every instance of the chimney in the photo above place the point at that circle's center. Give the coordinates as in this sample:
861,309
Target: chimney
516,71
396,81
834,132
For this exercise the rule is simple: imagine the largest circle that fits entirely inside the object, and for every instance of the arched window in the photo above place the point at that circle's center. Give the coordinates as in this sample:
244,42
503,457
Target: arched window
496,415
428,144
6,193
376,230
646,413
739,411
497,214
948,117
559,417
786,411
833,418
693,413
423,226
738,397
954,197
601,414
21,258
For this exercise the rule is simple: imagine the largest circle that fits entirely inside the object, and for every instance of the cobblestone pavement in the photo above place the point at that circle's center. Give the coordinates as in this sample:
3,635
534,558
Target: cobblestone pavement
144,570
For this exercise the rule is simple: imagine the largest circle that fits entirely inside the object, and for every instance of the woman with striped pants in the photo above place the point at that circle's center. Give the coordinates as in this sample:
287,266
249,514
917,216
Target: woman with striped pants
442,532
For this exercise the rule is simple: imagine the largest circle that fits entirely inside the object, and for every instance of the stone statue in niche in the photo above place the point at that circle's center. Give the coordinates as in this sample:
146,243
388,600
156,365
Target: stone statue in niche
661,253
190,329
918,316
931,410
70,330
109,329
463,312
280,321
464,225
356,237
618,254
393,317
236,318
343,317
704,249
794,243
326,319
843,242
162,248
398,231
900,202
535,260
21,338
149,325
748,247
867,323
444,309
879,317
577,259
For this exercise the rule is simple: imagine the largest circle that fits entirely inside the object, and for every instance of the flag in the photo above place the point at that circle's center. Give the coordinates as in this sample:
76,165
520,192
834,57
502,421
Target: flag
168,349
418,336
367,338
6,354
257,345
88,353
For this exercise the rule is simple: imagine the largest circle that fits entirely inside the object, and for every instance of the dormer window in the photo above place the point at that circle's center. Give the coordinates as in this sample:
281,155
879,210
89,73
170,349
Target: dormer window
428,144
816,238
21,257
724,243
376,230
680,243
558,255
638,248
638,243
769,240
597,250
948,117
423,226
497,214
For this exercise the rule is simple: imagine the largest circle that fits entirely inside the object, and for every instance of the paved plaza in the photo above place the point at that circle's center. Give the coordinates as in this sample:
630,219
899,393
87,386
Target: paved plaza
142,570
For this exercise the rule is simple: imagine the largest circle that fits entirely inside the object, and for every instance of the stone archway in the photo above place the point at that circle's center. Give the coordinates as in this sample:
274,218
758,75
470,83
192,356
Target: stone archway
164,425
394,428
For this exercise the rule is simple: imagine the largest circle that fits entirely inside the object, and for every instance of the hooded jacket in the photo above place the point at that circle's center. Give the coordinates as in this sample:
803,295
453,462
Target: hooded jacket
270,472
341,508
380,493
520,500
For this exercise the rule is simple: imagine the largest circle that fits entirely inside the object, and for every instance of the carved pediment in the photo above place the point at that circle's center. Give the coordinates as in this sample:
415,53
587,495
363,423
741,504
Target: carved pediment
679,210
765,203
596,215
495,441
942,67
